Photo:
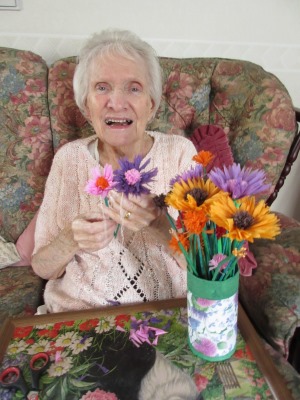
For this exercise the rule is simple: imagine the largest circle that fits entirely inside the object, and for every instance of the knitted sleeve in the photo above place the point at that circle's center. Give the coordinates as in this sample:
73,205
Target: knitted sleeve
46,225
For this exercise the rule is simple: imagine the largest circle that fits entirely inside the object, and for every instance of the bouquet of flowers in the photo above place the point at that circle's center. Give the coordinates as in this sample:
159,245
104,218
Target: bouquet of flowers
130,178
218,216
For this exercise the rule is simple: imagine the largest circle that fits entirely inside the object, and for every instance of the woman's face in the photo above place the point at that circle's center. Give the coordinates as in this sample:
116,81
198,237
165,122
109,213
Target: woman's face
118,104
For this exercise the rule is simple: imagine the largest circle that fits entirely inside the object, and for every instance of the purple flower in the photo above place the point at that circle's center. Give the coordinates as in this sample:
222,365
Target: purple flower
206,347
130,178
239,182
192,173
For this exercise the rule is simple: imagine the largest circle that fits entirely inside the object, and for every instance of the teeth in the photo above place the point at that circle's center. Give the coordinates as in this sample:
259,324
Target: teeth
111,121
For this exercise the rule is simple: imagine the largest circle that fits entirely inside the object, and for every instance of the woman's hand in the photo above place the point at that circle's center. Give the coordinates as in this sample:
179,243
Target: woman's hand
92,232
89,232
132,212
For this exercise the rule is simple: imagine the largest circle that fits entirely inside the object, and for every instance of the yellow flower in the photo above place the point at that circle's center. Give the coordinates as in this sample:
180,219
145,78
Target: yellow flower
194,194
245,220
203,157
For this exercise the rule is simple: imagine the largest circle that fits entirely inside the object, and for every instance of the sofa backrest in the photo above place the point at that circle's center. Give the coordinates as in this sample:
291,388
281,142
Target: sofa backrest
252,104
26,149
38,114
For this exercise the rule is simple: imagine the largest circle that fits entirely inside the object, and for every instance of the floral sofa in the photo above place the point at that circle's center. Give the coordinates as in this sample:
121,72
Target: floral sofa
38,115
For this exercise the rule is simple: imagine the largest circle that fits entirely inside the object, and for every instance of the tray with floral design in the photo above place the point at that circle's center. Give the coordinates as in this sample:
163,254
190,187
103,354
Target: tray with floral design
134,352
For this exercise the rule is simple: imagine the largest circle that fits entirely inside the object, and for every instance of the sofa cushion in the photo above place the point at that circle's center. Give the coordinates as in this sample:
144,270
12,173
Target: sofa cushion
67,122
186,95
20,291
271,296
25,139
258,111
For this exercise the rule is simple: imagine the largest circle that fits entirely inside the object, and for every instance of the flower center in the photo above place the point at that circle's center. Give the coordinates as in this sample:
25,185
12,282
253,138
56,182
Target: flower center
198,194
243,220
102,182
132,176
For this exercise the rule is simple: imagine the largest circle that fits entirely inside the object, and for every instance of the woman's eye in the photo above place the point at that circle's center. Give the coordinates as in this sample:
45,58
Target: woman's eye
136,89
101,88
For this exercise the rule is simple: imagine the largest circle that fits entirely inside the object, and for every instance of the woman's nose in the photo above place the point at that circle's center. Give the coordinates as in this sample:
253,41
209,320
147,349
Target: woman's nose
117,99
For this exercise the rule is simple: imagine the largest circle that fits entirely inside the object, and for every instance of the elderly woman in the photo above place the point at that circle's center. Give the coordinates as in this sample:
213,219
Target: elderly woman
117,85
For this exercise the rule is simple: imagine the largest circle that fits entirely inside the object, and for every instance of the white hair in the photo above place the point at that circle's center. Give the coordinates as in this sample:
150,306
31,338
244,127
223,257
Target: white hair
116,42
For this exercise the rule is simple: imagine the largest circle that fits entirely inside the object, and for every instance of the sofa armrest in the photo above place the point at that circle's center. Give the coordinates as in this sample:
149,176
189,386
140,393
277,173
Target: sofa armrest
291,158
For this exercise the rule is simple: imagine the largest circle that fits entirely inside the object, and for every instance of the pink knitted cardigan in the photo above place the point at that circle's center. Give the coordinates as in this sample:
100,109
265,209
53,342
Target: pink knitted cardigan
134,267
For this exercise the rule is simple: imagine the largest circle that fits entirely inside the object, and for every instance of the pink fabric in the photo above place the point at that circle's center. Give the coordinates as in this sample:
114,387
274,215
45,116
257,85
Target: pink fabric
214,139
25,244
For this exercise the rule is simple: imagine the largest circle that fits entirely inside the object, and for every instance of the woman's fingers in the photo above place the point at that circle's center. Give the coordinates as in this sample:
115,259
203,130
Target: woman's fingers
92,231
132,212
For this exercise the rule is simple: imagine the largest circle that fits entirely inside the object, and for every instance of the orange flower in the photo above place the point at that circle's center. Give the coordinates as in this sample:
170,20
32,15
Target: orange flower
195,220
203,157
179,238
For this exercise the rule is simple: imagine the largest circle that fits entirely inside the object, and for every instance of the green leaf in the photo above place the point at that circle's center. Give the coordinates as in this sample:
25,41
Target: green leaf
80,369
81,384
222,345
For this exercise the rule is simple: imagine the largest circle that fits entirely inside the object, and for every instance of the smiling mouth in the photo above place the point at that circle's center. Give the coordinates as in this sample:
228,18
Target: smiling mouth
118,122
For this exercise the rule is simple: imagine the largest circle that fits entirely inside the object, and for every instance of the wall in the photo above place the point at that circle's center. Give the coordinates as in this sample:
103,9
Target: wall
263,31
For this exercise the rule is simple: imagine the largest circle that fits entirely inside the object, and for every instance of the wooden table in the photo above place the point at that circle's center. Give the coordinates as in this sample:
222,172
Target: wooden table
262,358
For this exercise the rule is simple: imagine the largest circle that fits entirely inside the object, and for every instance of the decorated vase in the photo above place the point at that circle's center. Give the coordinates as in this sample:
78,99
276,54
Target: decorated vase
212,317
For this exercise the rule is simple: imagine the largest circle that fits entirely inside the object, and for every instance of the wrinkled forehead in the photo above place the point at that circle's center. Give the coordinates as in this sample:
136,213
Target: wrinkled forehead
110,61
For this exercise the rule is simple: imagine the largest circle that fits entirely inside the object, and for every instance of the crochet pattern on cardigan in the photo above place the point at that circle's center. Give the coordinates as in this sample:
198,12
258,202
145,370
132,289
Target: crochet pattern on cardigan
135,266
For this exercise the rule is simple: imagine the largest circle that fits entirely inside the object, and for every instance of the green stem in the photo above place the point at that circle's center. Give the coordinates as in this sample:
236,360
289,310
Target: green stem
118,227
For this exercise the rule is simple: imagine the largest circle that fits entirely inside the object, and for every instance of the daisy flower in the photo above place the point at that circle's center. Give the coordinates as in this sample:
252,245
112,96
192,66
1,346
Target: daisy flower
39,347
130,177
60,367
105,324
100,184
65,340
239,182
80,344
17,347
244,219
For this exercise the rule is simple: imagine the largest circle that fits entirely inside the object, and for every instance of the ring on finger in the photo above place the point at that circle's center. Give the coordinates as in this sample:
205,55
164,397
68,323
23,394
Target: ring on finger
127,215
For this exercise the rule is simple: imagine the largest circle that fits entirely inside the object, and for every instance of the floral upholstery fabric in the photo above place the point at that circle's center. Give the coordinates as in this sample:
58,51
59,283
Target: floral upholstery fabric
67,122
271,296
252,104
25,139
20,291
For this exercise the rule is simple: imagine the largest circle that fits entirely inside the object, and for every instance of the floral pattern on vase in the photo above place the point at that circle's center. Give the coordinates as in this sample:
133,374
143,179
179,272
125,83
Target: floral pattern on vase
212,326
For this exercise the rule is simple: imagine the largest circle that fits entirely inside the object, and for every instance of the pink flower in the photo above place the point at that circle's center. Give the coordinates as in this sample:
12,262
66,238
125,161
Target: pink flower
215,261
100,184
99,394
248,263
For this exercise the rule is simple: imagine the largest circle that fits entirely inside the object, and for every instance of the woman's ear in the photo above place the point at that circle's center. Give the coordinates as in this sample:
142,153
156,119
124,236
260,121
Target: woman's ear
86,112
152,113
